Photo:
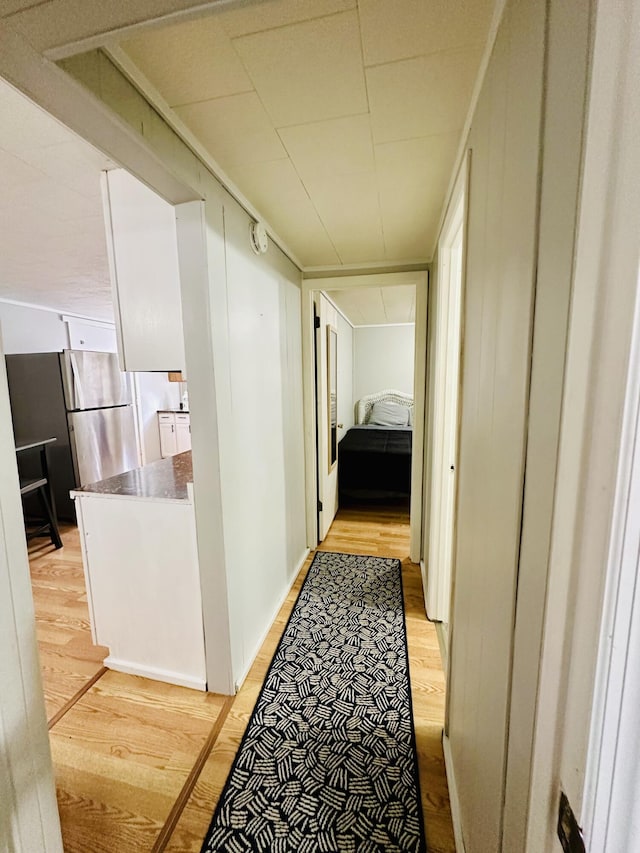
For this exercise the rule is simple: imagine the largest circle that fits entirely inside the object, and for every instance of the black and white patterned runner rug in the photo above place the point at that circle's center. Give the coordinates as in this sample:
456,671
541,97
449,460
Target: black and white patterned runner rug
328,761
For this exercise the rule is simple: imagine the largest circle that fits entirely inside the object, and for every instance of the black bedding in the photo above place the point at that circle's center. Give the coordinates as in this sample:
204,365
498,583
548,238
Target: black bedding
374,464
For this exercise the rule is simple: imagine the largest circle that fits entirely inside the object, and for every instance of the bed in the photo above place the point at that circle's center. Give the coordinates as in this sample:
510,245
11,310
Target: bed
374,457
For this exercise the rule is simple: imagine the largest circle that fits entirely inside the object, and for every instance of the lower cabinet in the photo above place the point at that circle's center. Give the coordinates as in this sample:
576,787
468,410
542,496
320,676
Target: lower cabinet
175,433
142,575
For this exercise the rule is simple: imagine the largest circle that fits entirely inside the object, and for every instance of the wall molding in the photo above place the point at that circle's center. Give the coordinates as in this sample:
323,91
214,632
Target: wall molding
453,795
65,316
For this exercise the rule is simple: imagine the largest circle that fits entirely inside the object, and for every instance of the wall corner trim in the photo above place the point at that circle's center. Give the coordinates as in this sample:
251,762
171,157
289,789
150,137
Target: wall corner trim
453,795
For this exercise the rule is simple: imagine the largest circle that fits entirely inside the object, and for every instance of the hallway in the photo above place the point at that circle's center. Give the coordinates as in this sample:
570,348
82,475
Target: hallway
140,765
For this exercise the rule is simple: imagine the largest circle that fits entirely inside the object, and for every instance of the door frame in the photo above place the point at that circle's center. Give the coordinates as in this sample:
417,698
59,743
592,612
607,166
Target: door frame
437,585
612,788
419,279
324,305
601,334
29,817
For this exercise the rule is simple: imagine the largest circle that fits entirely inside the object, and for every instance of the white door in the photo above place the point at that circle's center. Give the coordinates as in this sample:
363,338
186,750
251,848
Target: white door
183,437
327,410
168,441
445,431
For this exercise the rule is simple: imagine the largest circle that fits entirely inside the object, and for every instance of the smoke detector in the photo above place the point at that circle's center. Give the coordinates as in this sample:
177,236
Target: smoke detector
259,238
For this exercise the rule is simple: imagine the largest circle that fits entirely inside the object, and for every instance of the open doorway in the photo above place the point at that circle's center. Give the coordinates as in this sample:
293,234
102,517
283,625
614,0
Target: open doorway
367,374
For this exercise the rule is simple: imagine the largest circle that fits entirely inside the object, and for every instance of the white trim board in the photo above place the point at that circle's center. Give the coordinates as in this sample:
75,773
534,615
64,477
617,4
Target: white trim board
611,783
379,267
378,325
599,342
453,795
442,635
155,674
340,312
355,279
420,279
100,324
64,315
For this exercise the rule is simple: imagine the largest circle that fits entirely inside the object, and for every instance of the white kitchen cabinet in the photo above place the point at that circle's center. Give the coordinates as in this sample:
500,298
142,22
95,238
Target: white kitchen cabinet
143,262
140,558
183,432
175,432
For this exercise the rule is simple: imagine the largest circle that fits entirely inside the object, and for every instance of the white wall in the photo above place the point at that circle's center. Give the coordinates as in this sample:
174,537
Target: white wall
241,315
383,358
501,253
154,392
255,310
90,336
31,329
345,375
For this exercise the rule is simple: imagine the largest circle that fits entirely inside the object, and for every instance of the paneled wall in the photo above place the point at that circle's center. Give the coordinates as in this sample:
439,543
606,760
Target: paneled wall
245,390
258,363
501,260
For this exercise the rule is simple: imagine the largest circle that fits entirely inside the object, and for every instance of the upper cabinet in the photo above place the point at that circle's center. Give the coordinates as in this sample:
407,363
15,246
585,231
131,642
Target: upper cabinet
143,260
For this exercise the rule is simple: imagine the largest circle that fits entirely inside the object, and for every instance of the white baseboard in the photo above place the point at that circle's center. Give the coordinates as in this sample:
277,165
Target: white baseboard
155,674
453,795
443,642
239,681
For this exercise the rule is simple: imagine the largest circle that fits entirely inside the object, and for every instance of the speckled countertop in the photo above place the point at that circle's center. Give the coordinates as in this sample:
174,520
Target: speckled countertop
164,480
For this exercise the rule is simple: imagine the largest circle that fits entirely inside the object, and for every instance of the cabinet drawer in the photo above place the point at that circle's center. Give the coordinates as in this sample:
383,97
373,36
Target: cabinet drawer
166,418
182,419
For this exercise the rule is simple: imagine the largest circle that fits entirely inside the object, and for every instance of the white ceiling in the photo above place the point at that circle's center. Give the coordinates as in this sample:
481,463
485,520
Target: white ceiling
338,119
377,306
53,237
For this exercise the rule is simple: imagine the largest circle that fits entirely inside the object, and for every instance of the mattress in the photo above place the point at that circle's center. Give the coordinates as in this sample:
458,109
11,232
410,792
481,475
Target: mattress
374,463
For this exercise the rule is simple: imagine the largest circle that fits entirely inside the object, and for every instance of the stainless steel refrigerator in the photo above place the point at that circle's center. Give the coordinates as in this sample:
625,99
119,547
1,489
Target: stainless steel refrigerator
82,399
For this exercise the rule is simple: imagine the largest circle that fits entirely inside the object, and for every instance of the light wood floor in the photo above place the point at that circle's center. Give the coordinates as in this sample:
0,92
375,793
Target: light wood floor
68,658
140,764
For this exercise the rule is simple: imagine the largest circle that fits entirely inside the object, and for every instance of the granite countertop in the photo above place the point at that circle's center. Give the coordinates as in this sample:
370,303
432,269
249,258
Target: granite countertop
164,480
173,411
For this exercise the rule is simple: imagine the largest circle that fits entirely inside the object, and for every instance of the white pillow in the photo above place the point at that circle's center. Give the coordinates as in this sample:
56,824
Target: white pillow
389,414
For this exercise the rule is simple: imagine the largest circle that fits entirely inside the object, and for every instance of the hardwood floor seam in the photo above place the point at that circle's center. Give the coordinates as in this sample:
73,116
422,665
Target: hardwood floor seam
76,696
164,836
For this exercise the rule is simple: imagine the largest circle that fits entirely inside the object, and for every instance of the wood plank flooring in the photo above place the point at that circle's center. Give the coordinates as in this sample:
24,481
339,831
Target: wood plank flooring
68,658
124,750
377,532
128,751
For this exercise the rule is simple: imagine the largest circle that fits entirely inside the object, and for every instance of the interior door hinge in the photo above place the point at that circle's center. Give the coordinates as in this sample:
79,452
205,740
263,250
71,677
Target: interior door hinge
319,506
316,322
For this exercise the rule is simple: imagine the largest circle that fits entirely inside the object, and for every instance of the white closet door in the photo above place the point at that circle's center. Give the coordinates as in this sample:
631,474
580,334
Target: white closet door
327,469
445,434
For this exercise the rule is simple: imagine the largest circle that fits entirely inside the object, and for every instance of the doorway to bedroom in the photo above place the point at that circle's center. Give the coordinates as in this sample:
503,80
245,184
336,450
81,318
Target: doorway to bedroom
364,405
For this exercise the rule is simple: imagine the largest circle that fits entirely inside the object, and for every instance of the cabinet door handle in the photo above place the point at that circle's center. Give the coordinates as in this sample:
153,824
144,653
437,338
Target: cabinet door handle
173,429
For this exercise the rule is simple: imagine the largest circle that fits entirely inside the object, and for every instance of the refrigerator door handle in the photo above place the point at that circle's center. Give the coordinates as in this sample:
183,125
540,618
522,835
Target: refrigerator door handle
77,385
